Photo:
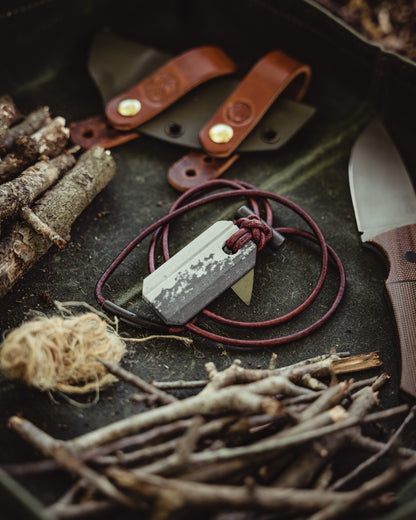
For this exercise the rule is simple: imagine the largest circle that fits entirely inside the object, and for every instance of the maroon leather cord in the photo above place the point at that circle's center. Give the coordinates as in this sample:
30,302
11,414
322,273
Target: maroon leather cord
209,192
251,228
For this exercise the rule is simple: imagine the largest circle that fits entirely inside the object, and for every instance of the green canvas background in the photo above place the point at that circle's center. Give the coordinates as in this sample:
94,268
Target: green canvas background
44,61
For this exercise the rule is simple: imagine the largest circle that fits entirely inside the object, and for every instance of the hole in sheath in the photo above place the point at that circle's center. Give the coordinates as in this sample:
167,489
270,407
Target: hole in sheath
190,173
88,134
270,136
174,129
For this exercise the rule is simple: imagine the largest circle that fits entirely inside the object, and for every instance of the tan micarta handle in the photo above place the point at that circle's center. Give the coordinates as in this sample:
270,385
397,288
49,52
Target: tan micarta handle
400,247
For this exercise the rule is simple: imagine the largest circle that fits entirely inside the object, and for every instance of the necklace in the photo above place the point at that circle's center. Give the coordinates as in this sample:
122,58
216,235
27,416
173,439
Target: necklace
260,233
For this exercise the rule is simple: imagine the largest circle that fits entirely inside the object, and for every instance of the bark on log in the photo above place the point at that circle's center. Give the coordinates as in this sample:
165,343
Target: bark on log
41,228
53,138
57,208
49,141
8,114
36,179
32,123
12,164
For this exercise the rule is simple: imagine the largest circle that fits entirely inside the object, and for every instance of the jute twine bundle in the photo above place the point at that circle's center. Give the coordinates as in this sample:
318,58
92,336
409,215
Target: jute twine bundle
60,353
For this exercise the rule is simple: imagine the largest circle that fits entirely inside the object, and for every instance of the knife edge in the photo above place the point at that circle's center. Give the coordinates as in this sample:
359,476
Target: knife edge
382,192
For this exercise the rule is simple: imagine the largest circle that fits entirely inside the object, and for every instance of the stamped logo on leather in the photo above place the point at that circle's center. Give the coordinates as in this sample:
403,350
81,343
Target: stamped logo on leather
160,86
238,112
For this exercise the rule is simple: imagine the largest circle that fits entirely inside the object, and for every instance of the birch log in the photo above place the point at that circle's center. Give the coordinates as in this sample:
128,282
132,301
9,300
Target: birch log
57,208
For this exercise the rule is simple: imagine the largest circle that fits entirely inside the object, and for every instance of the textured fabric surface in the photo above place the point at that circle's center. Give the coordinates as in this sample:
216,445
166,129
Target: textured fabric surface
352,81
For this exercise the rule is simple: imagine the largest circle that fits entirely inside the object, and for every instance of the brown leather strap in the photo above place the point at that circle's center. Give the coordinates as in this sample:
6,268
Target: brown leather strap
195,168
274,73
166,85
96,131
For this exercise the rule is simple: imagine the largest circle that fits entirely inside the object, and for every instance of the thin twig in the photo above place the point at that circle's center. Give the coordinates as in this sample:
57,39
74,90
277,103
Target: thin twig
41,227
176,385
250,440
137,381
371,460
50,447
91,508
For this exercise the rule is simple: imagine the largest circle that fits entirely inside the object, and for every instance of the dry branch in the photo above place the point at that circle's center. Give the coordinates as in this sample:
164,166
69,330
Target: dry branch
57,208
8,114
83,510
367,463
218,451
33,122
226,398
136,381
390,24
48,141
41,228
173,495
36,179
56,449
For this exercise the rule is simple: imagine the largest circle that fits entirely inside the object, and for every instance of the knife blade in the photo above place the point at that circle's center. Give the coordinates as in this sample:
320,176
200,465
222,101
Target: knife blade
244,287
384,202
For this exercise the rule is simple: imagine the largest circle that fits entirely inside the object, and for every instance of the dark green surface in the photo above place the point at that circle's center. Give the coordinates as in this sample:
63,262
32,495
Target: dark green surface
352,81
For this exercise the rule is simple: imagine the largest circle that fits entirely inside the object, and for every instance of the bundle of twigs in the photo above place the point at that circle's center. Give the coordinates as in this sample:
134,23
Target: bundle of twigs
390,23
252,440
44,186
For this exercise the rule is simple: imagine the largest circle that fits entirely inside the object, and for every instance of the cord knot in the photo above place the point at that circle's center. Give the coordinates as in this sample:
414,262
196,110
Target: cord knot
251,228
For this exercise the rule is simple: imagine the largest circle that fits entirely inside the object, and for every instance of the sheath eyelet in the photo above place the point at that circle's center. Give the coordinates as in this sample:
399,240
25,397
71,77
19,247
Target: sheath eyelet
174,129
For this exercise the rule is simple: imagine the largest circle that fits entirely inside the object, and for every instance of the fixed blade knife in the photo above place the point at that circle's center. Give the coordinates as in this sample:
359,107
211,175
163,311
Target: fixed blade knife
384,202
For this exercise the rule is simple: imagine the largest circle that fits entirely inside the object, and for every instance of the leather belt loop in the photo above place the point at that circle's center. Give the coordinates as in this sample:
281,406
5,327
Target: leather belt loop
166,85
96,131
271,75
196,168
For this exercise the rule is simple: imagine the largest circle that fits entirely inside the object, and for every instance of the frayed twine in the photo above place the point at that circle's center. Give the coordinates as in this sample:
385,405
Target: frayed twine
60,353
